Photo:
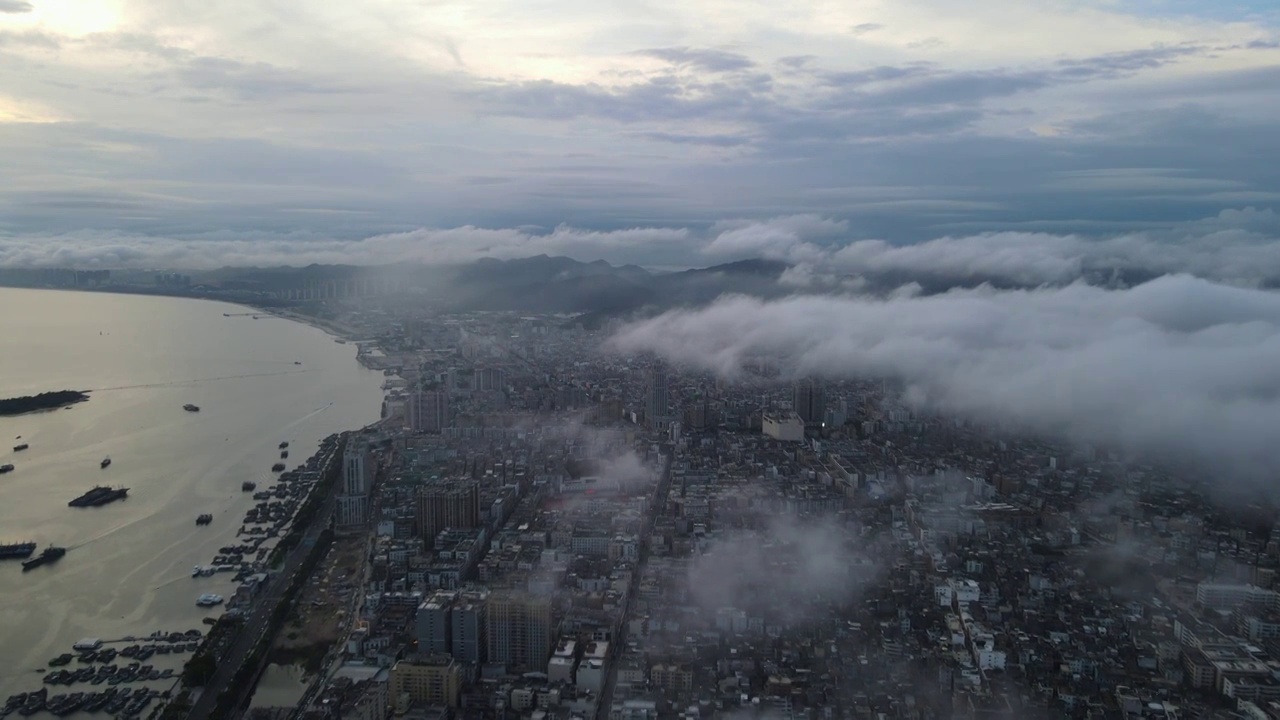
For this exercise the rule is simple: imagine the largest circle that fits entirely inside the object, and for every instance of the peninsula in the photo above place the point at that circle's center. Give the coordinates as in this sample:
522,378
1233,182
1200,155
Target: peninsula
43,401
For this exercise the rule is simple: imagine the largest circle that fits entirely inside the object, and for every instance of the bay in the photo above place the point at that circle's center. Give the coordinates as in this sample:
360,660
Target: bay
128,566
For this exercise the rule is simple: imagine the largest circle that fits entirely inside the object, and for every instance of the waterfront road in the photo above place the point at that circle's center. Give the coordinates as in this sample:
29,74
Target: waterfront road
256,624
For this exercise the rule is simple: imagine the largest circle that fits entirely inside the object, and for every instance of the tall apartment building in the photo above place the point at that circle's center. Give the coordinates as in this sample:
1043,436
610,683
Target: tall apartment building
430,679
453,622
433,631
429,411
520,632
489,379
657,401
359,467
468,627
809,400
447,504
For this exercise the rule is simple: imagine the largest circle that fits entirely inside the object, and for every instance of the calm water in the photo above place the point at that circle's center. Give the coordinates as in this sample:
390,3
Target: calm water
128,566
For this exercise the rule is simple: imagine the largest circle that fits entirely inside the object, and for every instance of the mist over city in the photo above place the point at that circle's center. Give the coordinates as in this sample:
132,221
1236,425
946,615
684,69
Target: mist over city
445,360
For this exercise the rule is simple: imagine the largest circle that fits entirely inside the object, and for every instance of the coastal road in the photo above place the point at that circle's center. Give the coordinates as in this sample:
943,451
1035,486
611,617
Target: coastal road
256,624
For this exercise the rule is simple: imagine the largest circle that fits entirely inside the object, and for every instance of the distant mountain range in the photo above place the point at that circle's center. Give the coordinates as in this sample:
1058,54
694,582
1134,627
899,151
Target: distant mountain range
560,284
594,291
597,290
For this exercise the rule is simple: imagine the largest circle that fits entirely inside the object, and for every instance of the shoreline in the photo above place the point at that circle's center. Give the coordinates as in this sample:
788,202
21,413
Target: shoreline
348,422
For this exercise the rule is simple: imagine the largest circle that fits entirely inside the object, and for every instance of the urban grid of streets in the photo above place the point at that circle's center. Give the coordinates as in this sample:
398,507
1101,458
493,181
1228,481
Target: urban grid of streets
778,547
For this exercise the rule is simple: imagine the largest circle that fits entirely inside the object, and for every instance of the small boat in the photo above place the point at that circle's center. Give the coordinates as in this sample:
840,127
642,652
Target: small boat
191,408
209,600
297,362
20,447
284,444
278,467
6,468
105,462
248,486
204,519
284,454
50,554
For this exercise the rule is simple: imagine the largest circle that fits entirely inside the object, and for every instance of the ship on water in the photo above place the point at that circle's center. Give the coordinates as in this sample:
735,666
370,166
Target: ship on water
191,408
100,495
105,462
20,447
6,468
278,467
50,554
16,550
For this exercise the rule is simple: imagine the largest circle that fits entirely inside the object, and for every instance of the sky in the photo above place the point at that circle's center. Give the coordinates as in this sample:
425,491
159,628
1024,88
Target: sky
657,132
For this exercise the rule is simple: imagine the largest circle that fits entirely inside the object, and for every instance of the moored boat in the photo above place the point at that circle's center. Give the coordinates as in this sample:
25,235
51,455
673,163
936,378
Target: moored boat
16,550
100,495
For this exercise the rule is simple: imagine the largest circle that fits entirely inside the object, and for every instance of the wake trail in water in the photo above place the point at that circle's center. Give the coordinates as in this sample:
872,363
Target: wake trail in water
110,531
307,417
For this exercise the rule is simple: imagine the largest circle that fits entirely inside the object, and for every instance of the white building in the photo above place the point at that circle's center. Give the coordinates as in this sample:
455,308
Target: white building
959,591
591,671
1229,597
786,427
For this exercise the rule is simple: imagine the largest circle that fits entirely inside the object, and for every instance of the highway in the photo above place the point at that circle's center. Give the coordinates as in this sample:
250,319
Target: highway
254,629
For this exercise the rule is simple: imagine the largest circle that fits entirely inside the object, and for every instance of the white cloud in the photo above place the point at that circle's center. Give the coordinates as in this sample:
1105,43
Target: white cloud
1179,367
782,238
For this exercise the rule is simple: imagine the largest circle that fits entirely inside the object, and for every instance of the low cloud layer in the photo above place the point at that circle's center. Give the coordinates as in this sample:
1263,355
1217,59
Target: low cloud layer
89,249
785,569
1178,367
1235,246
1240,246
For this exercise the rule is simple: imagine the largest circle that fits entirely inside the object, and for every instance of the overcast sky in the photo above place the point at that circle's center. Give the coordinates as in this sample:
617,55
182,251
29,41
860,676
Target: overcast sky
141,121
